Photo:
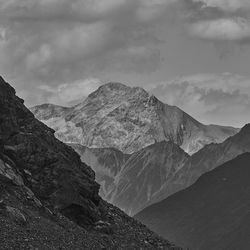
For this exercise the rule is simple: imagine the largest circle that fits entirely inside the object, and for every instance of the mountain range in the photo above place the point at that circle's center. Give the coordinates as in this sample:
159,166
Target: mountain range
213,213
128,119
205,160
132,181
146,173
48,198
152,174
187,181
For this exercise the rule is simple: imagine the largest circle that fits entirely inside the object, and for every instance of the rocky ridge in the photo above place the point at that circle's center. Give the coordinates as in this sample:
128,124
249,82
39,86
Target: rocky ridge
205,160
213,213
48,197
132,192
128,119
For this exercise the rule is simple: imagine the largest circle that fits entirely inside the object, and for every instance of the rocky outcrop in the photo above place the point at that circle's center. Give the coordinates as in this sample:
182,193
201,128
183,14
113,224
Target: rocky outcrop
48,197
213,213
128,119
50,168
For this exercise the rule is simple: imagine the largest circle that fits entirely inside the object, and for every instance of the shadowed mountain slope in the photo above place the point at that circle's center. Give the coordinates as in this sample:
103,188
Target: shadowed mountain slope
213,213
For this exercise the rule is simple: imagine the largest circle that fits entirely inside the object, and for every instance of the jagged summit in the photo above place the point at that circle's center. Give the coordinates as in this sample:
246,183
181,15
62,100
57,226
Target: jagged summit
129,118
114,86
113,91
110,88
245,129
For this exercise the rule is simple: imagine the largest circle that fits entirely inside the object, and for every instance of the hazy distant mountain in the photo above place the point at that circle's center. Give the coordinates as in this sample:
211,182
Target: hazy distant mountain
107,164
129,119
131,181
207,159
145,173
211,214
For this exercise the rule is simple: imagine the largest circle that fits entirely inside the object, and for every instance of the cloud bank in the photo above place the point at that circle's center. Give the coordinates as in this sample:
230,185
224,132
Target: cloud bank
219,99
224,20
59,41
55,41
57,50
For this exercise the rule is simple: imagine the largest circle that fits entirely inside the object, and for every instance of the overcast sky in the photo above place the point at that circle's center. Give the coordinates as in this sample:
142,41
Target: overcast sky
194,54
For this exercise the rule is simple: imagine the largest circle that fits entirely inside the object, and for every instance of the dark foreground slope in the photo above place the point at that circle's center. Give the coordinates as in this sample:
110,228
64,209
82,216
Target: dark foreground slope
212,214
48,197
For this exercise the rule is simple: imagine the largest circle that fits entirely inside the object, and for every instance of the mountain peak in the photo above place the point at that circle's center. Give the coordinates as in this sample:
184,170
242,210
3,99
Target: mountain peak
129,118
245,129
115,86
110,88
5,87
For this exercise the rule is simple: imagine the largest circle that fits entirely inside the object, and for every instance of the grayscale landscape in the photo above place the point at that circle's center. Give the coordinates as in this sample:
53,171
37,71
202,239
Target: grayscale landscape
124,124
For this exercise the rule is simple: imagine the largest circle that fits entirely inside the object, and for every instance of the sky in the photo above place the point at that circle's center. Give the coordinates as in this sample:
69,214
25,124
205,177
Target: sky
194,54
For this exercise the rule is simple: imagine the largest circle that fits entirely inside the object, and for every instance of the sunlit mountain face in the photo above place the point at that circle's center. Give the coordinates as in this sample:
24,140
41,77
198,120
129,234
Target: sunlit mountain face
128,119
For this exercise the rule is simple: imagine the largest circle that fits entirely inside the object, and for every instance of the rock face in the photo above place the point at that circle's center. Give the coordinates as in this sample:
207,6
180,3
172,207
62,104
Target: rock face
129,119
132,181
48,197
208,158
211,214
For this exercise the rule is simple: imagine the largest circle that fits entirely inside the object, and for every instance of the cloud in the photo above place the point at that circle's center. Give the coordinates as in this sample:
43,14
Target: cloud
219,20
70,94
222,29
219,99
59,41
51,10
226,5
